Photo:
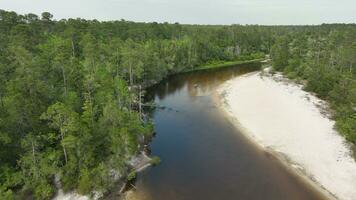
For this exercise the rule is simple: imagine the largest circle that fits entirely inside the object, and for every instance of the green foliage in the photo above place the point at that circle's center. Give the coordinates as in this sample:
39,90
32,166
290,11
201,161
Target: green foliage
65,99
321,81
84,184
280,53
6,194
131,176
219,64
155,160
347,125
43,191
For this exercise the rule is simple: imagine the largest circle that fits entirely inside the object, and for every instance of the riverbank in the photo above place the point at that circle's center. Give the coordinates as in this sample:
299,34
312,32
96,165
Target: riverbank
136,164
292,124
225,64
215,65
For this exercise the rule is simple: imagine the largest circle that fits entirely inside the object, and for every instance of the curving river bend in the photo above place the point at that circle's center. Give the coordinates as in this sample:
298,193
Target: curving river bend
203,156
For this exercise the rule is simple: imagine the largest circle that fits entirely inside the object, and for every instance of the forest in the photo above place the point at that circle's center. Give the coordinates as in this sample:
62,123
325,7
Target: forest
70,89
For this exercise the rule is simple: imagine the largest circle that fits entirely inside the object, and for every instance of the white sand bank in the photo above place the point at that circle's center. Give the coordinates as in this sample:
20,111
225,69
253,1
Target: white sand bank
286,119
69,196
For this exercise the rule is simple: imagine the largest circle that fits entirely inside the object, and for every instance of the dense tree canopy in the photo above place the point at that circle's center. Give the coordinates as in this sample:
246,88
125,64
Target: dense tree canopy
69,89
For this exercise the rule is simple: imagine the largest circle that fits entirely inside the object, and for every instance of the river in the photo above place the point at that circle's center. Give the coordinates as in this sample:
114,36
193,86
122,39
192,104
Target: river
204,157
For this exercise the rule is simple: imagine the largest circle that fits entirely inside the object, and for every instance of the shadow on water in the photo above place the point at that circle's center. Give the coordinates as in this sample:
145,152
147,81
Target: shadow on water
203,156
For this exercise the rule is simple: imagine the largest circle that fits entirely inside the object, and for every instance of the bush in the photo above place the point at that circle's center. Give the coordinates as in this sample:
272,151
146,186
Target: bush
155,160
346,122
101,180
84,184
69,181
131,176
43,191
6,194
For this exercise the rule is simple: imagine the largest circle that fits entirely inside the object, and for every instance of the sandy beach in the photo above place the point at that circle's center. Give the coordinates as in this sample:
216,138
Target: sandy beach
281,118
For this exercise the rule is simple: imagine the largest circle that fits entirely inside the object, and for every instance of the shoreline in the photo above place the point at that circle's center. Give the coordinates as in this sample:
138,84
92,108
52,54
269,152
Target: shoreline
223,100
138,163
283,159
203,67
224,64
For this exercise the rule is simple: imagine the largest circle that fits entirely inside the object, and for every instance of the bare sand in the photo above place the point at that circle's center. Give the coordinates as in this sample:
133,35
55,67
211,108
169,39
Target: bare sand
69,196
289,122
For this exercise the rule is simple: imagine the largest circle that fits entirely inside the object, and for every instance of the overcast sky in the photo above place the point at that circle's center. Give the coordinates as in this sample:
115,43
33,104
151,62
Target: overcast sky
195,11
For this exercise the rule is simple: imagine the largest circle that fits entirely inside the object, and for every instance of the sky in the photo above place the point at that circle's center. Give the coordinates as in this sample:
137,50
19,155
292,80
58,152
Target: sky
264,12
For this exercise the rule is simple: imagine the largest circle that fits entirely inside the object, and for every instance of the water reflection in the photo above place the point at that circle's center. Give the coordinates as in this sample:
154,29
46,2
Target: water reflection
206,81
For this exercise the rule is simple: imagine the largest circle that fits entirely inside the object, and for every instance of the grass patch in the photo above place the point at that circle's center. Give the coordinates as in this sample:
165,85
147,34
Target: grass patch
220,64
131,176
155,160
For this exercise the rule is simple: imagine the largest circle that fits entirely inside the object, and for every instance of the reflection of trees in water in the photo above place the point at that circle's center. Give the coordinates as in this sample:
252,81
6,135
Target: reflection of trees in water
169,86
203,82
137,195
199,82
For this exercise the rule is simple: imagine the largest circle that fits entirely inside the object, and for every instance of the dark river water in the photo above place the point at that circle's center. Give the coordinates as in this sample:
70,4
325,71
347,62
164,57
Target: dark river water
204,157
